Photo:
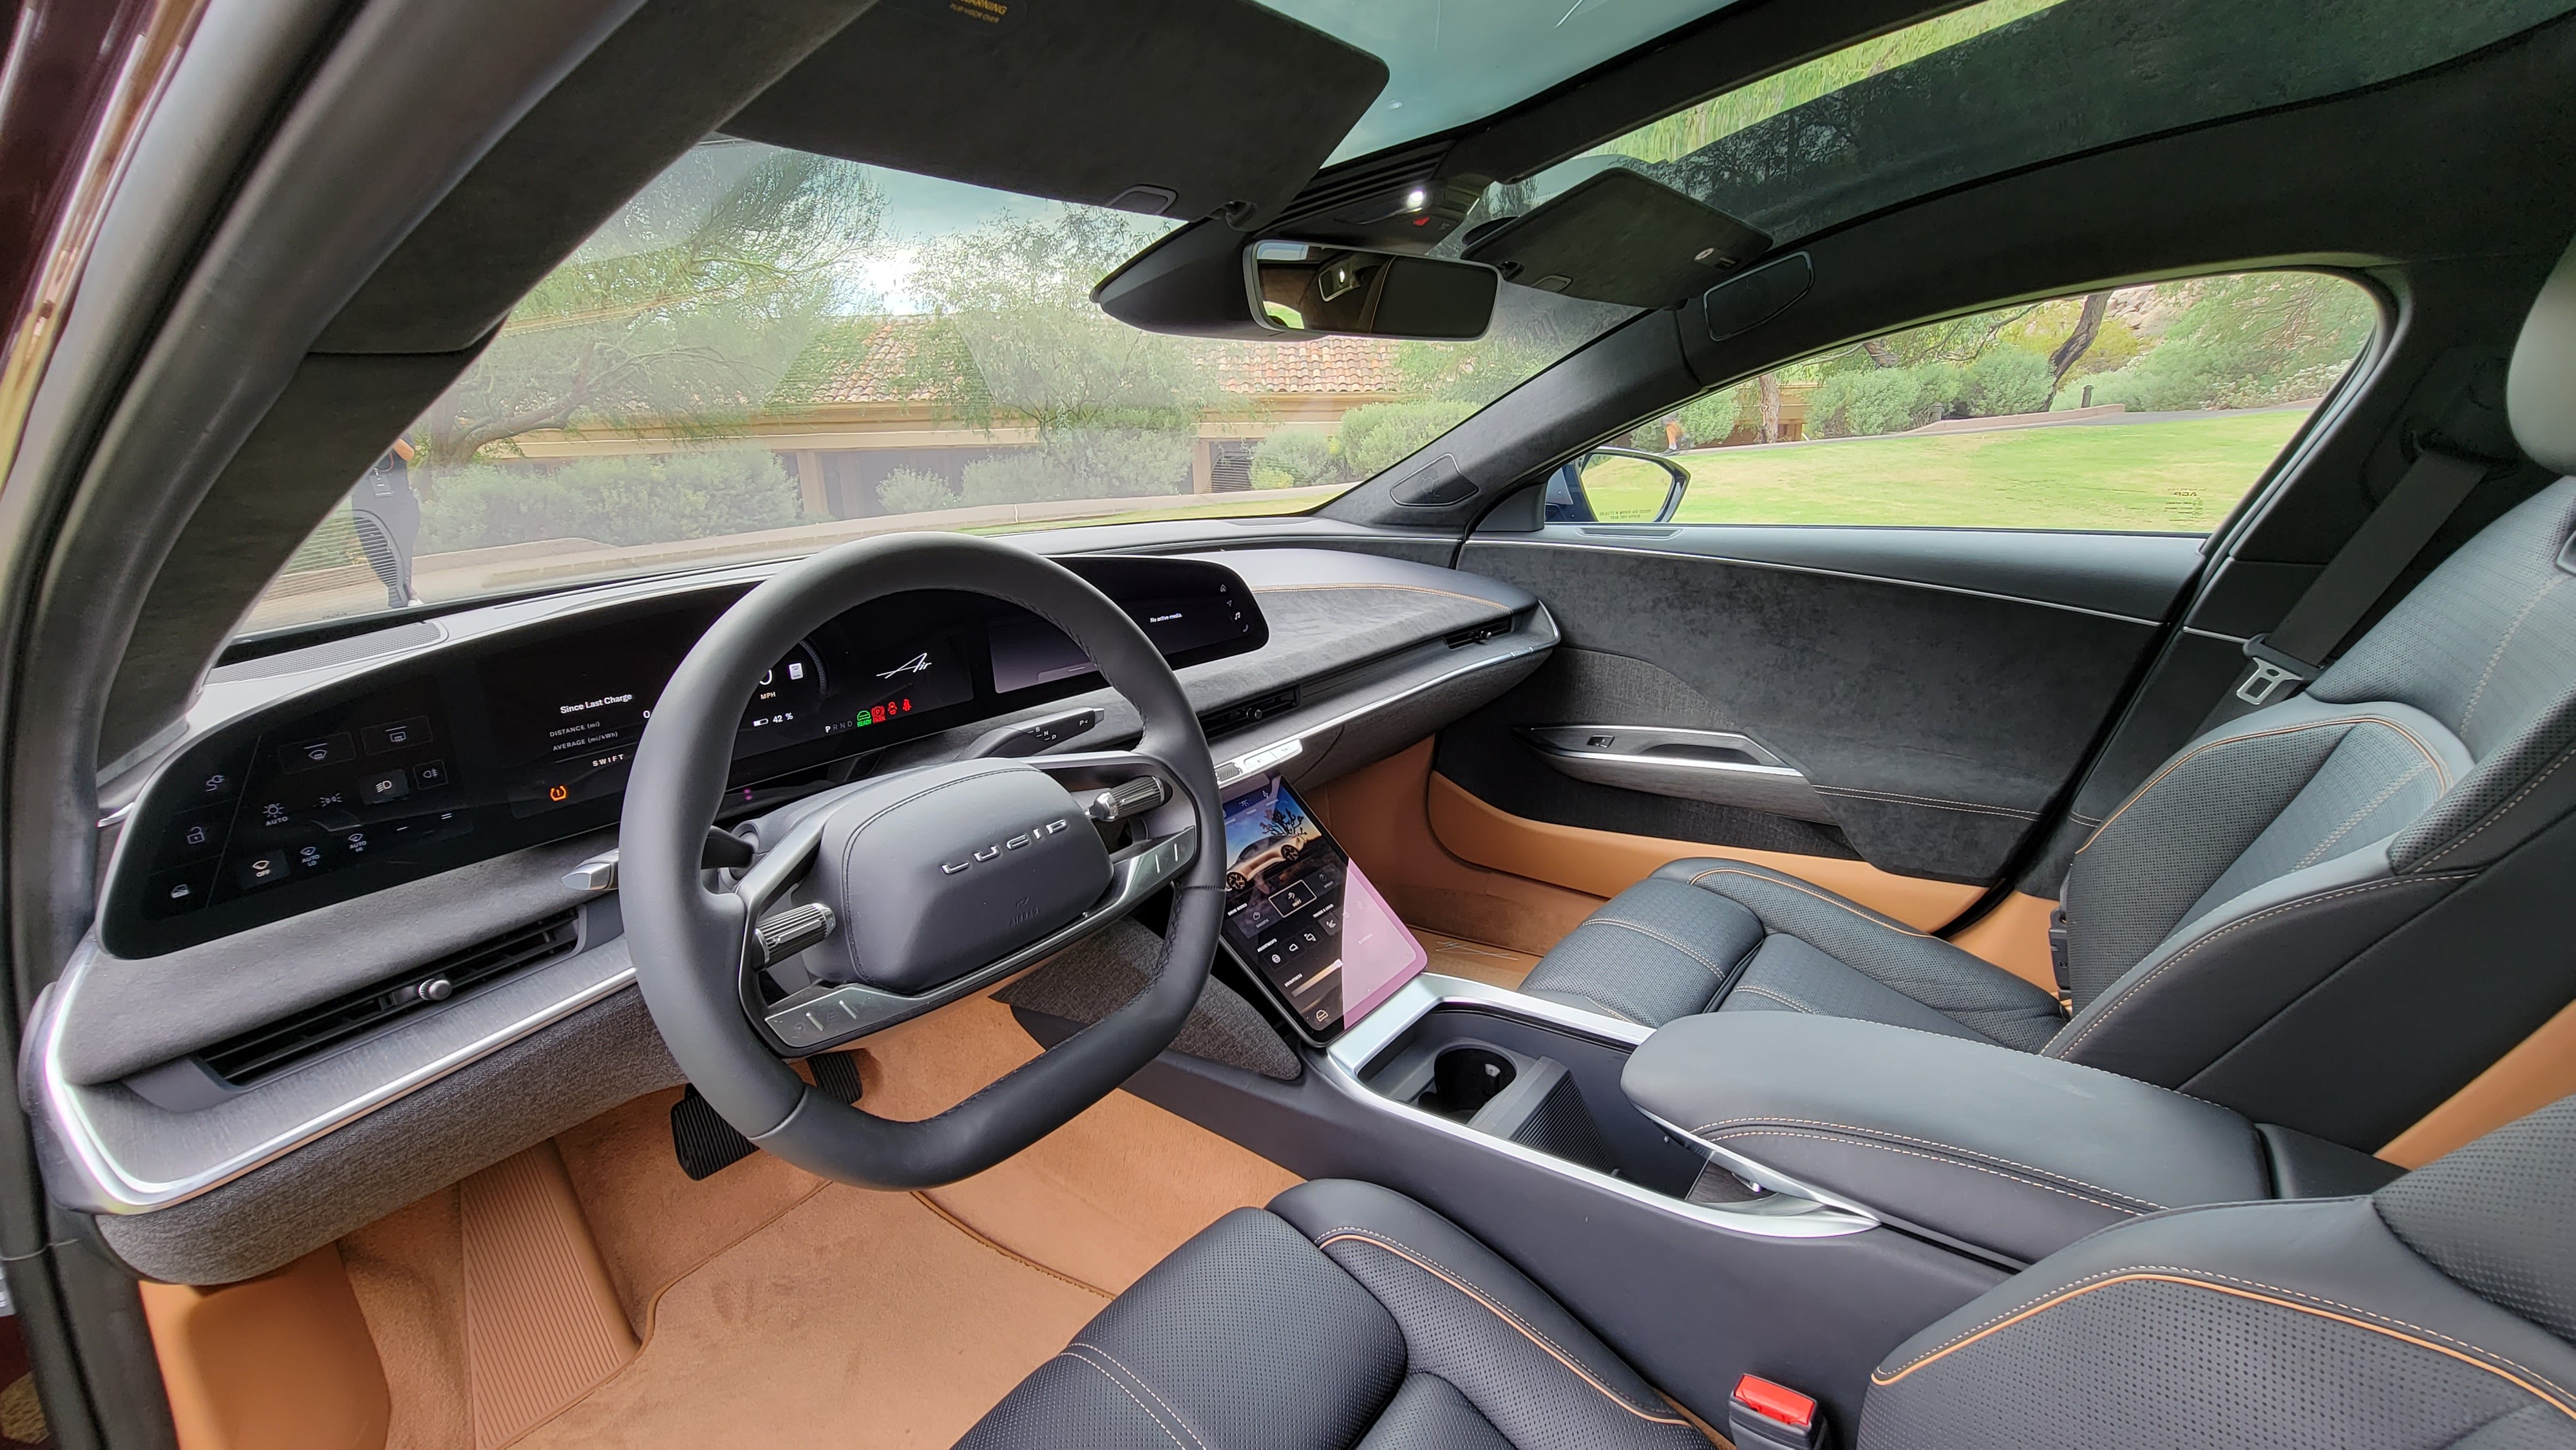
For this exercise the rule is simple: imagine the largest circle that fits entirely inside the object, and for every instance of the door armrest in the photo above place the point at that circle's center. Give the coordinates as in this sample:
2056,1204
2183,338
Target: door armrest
2008,1155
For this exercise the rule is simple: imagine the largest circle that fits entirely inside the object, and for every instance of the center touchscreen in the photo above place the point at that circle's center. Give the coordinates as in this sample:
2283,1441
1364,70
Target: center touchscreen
1303,919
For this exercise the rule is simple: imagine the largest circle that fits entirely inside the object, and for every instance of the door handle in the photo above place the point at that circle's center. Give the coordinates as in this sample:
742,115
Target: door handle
1719,766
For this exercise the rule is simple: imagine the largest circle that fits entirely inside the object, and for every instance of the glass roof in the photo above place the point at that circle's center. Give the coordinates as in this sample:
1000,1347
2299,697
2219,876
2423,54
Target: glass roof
2011,83
1452,61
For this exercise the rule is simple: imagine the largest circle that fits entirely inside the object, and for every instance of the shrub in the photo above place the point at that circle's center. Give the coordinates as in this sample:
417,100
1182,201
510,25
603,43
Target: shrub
1294,459
1709,419
909,491
1084,463
637,499
2003,381
1377,437
1881,400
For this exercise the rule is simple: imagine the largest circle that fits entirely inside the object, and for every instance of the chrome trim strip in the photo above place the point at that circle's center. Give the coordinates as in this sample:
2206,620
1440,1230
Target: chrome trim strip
1784,1214
82,1172
1526,643
1623,758
1760,1175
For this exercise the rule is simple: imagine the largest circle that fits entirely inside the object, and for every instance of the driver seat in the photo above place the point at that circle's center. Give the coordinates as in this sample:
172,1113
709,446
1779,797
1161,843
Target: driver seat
2438,1311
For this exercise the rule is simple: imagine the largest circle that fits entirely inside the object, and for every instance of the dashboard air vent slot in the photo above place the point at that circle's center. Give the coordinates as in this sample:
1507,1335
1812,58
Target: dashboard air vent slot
1247,712
267,1051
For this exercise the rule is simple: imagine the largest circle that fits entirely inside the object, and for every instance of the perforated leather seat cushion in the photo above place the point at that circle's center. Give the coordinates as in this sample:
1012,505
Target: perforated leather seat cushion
1718,935
1342,1315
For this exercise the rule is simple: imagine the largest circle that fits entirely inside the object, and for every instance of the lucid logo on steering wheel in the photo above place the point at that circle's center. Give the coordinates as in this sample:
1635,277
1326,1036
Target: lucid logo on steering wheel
994,851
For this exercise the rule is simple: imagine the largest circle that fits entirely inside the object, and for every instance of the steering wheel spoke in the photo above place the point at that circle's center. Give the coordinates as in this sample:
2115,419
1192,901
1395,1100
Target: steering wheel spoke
898,894
828,1014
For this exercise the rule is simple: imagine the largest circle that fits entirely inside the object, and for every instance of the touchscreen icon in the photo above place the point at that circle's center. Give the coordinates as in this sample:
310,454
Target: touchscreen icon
306,754
558,792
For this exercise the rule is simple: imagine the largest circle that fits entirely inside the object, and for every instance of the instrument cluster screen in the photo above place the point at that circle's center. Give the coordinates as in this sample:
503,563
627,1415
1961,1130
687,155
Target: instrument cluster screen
517,740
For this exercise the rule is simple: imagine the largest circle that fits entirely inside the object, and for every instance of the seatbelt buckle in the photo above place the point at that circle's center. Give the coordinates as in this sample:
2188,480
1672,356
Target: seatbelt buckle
2057,932
1763,1416
2269,672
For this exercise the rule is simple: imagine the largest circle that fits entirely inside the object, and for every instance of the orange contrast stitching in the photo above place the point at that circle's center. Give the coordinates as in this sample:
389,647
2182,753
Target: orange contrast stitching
2548,1396
1533,1336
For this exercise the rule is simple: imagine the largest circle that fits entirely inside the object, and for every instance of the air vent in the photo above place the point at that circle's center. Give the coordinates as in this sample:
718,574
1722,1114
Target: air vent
1249,712
280,1045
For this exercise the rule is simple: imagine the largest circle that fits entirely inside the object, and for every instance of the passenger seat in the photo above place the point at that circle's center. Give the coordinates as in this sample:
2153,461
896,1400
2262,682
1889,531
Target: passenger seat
2329,913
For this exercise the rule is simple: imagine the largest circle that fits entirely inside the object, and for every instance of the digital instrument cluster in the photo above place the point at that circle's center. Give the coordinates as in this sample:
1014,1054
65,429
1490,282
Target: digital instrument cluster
525,737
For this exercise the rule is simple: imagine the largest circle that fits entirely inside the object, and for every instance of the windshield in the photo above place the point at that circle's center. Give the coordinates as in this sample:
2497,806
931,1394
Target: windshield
2009,83
768,352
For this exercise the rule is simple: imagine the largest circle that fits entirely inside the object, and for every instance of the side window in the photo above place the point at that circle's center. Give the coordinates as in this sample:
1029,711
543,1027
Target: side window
2148,408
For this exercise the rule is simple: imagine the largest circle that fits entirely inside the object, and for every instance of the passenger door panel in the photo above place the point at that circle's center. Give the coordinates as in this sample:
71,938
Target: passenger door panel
1936,687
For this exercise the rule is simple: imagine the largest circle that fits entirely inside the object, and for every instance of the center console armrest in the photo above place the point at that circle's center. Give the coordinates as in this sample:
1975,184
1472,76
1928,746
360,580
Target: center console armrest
2007,1154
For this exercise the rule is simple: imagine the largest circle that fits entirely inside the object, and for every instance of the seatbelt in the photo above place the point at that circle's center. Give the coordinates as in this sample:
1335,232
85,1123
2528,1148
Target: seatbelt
2291,654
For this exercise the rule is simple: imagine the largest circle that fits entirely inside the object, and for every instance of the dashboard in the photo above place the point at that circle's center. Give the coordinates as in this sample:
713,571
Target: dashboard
474,751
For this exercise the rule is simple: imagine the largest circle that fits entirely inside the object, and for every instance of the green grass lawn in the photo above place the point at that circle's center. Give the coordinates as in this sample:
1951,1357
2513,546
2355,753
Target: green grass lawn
2182,475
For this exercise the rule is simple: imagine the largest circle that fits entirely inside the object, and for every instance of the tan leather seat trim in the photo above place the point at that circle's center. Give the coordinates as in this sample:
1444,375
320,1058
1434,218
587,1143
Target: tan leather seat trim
1605,863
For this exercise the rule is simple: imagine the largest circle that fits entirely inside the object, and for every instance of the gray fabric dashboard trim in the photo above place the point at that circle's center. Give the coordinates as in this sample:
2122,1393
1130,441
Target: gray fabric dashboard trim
525,1093
136,1013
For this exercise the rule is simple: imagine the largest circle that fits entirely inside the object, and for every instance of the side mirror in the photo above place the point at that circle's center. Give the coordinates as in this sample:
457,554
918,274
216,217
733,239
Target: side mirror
1617,486
1310,289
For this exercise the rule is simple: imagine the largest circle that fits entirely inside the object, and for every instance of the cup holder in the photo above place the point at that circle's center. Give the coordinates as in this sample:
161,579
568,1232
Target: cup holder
1463,1080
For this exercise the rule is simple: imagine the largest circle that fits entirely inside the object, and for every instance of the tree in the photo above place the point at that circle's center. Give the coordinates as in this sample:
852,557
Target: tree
1113,407
680,315
2088,325
2255,340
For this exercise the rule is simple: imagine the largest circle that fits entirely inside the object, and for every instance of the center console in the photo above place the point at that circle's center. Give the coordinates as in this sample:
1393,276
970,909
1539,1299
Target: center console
1849,1180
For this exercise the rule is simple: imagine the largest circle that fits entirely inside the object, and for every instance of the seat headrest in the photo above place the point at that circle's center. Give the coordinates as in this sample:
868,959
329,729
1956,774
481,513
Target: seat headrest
2540,392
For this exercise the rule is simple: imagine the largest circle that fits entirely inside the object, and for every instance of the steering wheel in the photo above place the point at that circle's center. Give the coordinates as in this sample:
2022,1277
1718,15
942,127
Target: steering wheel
911,889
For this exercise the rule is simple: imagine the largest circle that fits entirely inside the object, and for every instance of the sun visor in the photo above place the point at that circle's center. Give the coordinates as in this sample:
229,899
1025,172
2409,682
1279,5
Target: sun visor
1180,108
1619,237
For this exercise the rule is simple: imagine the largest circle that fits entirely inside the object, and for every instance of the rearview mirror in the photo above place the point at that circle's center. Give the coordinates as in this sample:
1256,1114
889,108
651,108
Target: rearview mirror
1309,289
1617,486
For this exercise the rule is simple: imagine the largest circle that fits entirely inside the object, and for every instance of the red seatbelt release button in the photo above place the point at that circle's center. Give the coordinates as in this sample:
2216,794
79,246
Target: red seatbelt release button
1765,1416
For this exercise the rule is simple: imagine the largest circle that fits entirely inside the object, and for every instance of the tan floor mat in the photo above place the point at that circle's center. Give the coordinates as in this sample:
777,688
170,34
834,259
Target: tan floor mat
855,1319
875,1319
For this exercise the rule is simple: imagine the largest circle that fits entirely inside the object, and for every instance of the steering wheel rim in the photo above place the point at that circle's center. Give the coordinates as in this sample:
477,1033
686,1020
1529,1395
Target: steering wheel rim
688,941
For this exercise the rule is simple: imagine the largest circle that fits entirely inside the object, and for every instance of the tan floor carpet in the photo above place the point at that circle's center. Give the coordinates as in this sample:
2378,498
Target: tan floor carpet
855,1319
777,1309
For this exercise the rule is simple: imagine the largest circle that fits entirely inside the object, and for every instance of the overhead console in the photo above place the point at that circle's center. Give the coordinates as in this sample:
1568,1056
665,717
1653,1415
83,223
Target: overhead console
509,741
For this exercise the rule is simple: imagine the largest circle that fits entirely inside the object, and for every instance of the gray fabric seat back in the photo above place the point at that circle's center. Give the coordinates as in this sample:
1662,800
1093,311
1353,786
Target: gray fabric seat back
2437,1312
2366,871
